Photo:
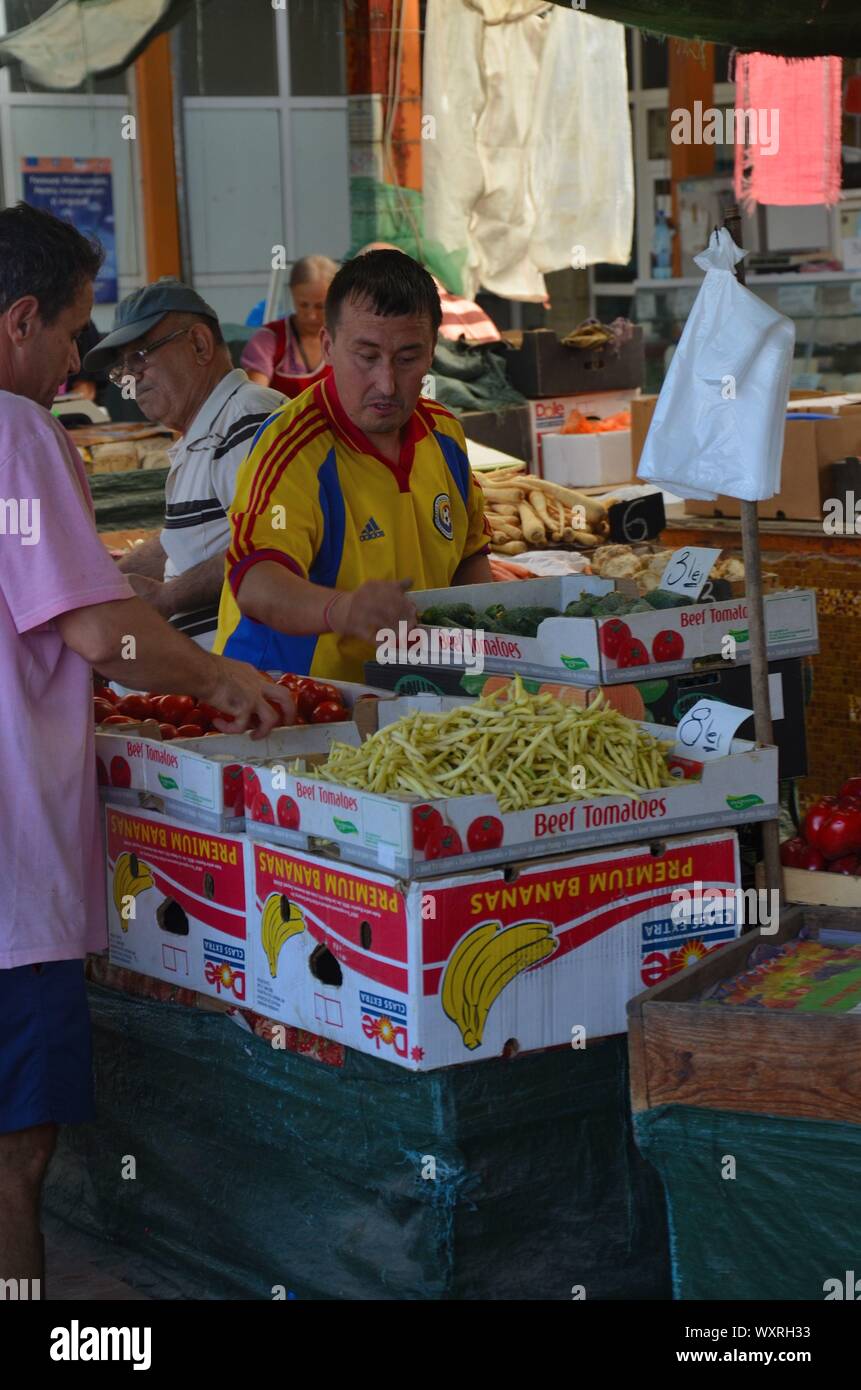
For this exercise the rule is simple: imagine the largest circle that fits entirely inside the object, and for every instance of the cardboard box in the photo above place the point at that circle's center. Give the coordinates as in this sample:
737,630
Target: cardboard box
200,778
540,365
810,447
383,966
549,415
574,645
642,410
376,829
177,903
587,460
508,430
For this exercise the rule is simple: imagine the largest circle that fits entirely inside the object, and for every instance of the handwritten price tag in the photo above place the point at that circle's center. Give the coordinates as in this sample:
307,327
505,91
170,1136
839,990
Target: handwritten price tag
708,728
688,570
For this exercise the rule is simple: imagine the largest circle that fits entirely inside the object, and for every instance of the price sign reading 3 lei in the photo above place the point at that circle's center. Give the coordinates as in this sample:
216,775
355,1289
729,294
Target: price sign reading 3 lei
688,570
708,728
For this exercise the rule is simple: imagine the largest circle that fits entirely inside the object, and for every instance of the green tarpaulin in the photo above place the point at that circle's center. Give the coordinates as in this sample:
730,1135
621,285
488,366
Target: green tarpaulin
760,1207
794,28
255,1167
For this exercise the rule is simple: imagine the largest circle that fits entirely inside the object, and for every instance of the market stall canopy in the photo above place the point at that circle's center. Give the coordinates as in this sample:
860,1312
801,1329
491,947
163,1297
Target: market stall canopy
793,28
80,39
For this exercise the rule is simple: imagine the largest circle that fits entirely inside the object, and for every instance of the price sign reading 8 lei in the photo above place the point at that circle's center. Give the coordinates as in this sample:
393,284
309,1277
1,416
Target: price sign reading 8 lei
708,728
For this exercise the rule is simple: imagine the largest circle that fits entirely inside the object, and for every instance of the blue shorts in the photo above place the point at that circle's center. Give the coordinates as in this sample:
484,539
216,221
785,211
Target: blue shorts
46,1057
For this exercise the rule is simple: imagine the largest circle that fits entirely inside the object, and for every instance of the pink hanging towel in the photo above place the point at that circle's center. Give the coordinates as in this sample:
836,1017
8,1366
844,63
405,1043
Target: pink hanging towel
787,130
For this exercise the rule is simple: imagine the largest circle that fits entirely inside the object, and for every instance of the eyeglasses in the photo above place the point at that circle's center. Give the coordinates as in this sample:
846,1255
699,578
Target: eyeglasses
136,363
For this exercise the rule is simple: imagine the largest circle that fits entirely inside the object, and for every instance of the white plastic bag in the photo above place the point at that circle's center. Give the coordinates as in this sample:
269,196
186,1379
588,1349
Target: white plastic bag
718,424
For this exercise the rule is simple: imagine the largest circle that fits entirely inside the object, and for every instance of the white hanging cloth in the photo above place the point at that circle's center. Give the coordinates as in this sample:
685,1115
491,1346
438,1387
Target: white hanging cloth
527,165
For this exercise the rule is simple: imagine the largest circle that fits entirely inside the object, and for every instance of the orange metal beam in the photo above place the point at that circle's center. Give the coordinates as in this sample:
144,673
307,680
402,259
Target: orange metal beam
154,111
691,79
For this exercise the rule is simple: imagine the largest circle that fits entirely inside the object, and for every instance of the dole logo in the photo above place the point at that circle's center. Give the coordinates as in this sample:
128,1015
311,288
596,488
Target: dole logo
382,1029
224,968
225,977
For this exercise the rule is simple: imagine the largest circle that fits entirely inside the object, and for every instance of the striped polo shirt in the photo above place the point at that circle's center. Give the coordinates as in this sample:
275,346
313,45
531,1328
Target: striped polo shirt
201,483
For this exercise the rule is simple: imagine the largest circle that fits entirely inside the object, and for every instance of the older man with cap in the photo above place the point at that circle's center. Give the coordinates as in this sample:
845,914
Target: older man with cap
168,344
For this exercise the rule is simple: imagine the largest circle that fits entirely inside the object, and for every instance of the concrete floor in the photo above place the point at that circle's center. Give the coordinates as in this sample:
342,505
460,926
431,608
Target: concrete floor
80,1269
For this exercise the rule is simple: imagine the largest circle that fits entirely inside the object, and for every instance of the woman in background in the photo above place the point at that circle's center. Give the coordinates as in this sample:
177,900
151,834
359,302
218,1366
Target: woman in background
287,354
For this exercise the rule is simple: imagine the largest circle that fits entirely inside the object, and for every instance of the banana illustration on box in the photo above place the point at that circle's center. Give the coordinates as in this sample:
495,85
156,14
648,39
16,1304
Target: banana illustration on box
281,919
131,876
486,960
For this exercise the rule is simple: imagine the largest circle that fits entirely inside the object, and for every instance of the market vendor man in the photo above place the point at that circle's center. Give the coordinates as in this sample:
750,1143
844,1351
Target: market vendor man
354,493
167,341
64,608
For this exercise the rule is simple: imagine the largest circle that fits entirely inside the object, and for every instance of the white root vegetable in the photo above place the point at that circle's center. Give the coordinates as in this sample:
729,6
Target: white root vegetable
584,539
533,529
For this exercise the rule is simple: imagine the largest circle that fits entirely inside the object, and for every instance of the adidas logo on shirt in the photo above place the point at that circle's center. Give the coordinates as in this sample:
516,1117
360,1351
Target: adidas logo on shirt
371,531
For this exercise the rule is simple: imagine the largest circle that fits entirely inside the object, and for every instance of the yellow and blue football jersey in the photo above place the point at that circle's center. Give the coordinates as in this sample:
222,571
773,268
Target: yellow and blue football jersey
315,495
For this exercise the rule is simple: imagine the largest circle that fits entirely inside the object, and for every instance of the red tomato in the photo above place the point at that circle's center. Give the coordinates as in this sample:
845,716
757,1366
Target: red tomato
632,653
197,716
287,813
485,833
443,842
289,680
426,820
816,818
250,784
329,712
308,698
262,809
790,852
135,706
118,719
121,773
810,858
852,787
840,834
329,692
611,635
189,731
104,692
848,864
102,774
174,709
668,646
167,731
210,713
102,709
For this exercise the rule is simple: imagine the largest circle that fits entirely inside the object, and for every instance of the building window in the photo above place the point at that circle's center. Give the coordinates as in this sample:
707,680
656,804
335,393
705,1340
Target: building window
221,58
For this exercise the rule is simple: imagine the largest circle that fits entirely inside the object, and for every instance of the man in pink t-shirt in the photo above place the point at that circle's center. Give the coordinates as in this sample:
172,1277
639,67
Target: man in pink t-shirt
64,608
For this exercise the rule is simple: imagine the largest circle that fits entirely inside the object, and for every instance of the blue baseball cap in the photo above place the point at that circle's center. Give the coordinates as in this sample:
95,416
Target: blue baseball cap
141,311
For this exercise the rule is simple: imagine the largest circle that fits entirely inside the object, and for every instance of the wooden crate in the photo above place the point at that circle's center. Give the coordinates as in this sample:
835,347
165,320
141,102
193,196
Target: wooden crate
822,889
684,1051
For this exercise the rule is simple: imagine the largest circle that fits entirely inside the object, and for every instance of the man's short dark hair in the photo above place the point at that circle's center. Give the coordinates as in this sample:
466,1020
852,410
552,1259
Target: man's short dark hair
392,283
41,255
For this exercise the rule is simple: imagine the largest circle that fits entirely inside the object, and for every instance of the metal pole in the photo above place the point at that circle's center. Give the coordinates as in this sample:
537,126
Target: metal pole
756,623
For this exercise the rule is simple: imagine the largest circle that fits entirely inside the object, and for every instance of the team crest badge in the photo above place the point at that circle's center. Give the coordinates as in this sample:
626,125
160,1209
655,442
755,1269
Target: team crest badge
442,515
